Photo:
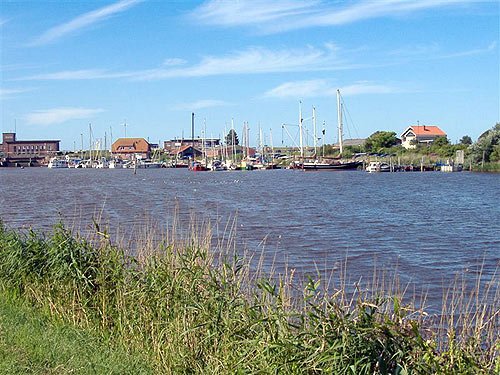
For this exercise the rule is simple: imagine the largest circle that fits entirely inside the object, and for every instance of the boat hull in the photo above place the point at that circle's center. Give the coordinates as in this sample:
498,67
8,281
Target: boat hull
331,167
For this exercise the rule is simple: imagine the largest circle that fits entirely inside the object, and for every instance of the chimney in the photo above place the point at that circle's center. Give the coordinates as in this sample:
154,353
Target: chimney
424,128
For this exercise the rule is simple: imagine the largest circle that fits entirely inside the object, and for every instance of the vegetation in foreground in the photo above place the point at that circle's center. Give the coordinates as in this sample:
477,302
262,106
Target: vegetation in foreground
33,342
188,310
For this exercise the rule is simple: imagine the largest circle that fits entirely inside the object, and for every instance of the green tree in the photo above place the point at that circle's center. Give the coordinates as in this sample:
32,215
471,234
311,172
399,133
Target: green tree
487,146
440,141
379,140
232,138
466,140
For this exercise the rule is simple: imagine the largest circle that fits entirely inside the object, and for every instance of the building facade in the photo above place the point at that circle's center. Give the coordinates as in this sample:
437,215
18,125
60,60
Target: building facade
13,148
173,145
131,148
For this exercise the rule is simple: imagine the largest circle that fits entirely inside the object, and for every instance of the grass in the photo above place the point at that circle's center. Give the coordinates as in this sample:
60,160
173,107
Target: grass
31,342
192,309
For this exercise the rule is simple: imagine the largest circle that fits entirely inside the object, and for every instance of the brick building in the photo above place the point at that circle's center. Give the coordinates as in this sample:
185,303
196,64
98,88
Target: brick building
130,148
12,148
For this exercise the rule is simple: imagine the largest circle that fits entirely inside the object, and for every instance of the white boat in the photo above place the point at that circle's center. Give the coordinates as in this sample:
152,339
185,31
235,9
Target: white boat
451,168
141,164
102,163
378,166
216,165
148,164
116,164
57,163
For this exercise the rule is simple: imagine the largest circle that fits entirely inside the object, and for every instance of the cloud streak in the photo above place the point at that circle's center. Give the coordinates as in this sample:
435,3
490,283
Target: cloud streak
200,104
59,115
322,88
284,15
10,93
77,75
260,60
83,21
253,60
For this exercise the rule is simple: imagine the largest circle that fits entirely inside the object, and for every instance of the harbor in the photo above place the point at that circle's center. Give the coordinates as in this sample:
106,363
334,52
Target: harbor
308,221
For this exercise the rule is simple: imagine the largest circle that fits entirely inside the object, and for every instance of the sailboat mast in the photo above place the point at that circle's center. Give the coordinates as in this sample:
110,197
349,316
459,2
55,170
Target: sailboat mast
248,139
315,133
301,141
192,132
233,138
323,137
339,116
90,143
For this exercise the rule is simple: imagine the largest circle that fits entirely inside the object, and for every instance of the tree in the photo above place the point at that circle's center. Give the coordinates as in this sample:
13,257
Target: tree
232,138
440,141
487,146
380,139
466,140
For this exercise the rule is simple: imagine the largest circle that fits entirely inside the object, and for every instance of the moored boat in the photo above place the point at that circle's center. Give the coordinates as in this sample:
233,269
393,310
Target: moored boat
197,167
57,163
378,166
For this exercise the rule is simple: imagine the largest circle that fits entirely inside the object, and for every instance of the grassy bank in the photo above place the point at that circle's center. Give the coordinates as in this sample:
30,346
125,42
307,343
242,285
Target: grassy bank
487,167
33,342
188,310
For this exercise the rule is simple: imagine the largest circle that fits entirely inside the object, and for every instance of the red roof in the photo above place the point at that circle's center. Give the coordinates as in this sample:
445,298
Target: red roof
130,145
427,130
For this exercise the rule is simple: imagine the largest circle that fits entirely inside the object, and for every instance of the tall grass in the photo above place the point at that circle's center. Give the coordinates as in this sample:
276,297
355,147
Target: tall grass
191,308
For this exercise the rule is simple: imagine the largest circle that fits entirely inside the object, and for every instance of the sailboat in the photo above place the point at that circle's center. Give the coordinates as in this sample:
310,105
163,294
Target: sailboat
334,164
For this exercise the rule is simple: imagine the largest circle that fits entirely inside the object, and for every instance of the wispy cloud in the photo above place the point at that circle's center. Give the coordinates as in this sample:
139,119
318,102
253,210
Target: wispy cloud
260,60
175,61
300,89
200,104
284,15
478,51
254,60
10,93
84,21
76,75
254,12
59,115
322,88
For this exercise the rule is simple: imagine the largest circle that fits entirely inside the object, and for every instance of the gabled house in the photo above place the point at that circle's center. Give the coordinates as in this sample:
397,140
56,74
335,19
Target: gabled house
130,148
414,135
186,151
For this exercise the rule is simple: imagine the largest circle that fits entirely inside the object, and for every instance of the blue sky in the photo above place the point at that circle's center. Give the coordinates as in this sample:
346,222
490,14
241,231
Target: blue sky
149,64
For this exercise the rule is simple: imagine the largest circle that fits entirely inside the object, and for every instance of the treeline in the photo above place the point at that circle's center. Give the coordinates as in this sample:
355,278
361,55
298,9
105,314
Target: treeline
485,151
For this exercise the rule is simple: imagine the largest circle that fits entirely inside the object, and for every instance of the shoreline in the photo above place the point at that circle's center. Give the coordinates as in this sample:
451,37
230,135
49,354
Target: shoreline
187,311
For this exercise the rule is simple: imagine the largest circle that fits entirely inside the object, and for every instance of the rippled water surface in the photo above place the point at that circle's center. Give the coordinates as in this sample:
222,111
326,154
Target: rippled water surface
429,226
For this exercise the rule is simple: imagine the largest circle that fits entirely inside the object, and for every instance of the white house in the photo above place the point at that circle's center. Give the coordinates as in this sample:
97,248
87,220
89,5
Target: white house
420,134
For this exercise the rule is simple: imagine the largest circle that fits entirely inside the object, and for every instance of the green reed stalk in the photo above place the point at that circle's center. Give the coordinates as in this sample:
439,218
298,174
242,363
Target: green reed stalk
191,308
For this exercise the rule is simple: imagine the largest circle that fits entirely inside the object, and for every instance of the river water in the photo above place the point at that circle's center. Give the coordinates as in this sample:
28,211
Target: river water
426,227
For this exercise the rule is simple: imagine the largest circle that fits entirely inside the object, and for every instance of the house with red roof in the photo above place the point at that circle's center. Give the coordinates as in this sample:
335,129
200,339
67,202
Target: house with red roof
130,148
416,134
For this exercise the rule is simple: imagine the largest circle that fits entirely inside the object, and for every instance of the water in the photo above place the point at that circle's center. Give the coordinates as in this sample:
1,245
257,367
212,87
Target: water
426,227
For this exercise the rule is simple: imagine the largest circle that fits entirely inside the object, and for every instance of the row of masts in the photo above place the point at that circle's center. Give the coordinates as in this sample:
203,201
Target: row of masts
315,133
246,132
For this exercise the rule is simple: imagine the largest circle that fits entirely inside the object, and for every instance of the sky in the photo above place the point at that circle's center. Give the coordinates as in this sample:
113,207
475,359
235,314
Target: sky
139,68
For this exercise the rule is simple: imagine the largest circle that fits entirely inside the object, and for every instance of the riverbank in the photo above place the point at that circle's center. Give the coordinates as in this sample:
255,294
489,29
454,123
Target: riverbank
35,342
188,310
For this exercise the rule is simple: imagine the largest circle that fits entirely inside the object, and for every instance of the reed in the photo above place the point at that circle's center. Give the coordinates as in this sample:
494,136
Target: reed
191,304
